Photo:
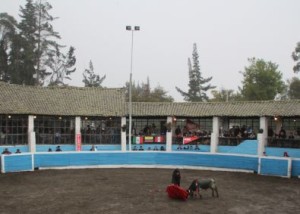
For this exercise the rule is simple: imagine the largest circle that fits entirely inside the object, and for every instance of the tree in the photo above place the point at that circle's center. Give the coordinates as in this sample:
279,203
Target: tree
90,79
8,31
30,51
197,88
143,93
39,38
296,58
225,95
294,88
62,66
262,80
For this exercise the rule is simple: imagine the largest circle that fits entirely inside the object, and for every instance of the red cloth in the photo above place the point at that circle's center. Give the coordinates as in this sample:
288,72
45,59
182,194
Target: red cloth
176,192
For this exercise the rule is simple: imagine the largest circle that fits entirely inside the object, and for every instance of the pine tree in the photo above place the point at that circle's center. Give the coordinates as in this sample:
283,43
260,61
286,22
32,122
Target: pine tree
90,79
197,88
39,39
8,31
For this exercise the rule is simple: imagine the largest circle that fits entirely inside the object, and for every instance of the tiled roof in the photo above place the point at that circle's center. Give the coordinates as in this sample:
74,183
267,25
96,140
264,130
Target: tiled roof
81,101
236,109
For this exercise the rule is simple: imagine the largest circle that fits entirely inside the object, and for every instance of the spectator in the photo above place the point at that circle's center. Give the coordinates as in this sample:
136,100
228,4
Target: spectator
282,133
18,151
94,148
57,137
49,150
58,149
285,154
6,152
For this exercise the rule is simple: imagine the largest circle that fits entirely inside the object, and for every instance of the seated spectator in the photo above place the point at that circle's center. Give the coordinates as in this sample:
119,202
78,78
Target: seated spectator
282,133
162,148
18,151
197,147
94,148
58,149
179,147
134,148
49,150
264,154
155,148
6,152
285,154
141,148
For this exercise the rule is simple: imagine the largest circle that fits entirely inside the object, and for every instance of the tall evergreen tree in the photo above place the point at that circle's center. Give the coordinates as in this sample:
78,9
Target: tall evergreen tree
197,84
39,38
90,79
8,33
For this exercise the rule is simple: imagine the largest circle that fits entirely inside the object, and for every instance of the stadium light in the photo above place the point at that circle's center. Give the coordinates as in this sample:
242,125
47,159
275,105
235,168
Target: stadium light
129,28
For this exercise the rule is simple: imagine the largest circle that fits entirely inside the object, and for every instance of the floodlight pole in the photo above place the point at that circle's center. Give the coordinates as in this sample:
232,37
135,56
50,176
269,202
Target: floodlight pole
129,28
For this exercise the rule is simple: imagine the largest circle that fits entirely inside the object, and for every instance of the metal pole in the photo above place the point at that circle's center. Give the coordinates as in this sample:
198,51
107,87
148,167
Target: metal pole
130,96
136,28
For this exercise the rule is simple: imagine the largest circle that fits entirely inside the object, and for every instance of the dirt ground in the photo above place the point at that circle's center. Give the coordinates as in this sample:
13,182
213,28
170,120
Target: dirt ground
143,191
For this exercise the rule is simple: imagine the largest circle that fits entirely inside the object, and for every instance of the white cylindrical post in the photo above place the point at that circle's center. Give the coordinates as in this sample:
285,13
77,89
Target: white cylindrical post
31,134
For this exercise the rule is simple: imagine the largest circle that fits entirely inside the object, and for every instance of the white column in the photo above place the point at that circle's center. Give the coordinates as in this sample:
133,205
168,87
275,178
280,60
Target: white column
262,135
31,134
169,135
123,135
214,138
78,138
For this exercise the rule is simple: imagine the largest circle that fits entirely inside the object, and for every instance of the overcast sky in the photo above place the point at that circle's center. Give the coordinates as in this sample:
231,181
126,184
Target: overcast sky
227,33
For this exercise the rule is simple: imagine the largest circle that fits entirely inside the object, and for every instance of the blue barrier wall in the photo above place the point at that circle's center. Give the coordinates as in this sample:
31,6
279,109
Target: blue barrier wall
271,166
17,163
268,165
296,167
63,159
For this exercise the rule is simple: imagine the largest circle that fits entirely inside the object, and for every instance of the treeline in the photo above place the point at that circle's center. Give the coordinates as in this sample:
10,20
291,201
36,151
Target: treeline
31,54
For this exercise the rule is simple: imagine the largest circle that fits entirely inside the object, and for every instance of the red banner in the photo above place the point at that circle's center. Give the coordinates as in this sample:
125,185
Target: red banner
159,139
187,140
78,142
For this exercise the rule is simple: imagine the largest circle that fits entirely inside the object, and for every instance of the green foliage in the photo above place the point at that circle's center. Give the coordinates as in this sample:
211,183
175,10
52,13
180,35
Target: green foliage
62,66
90,79
36,29
225,95
143,93
294,88
296,58
197,88
8,27
29,49
262,80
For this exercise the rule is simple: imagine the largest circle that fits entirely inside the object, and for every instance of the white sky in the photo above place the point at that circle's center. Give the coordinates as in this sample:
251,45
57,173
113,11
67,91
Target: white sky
227,33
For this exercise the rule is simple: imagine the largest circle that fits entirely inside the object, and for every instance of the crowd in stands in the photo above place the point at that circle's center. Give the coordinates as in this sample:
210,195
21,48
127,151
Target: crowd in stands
239,132
155,148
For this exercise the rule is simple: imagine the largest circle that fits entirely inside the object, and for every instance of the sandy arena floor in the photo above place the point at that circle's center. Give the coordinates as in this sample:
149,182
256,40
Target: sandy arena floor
143,191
